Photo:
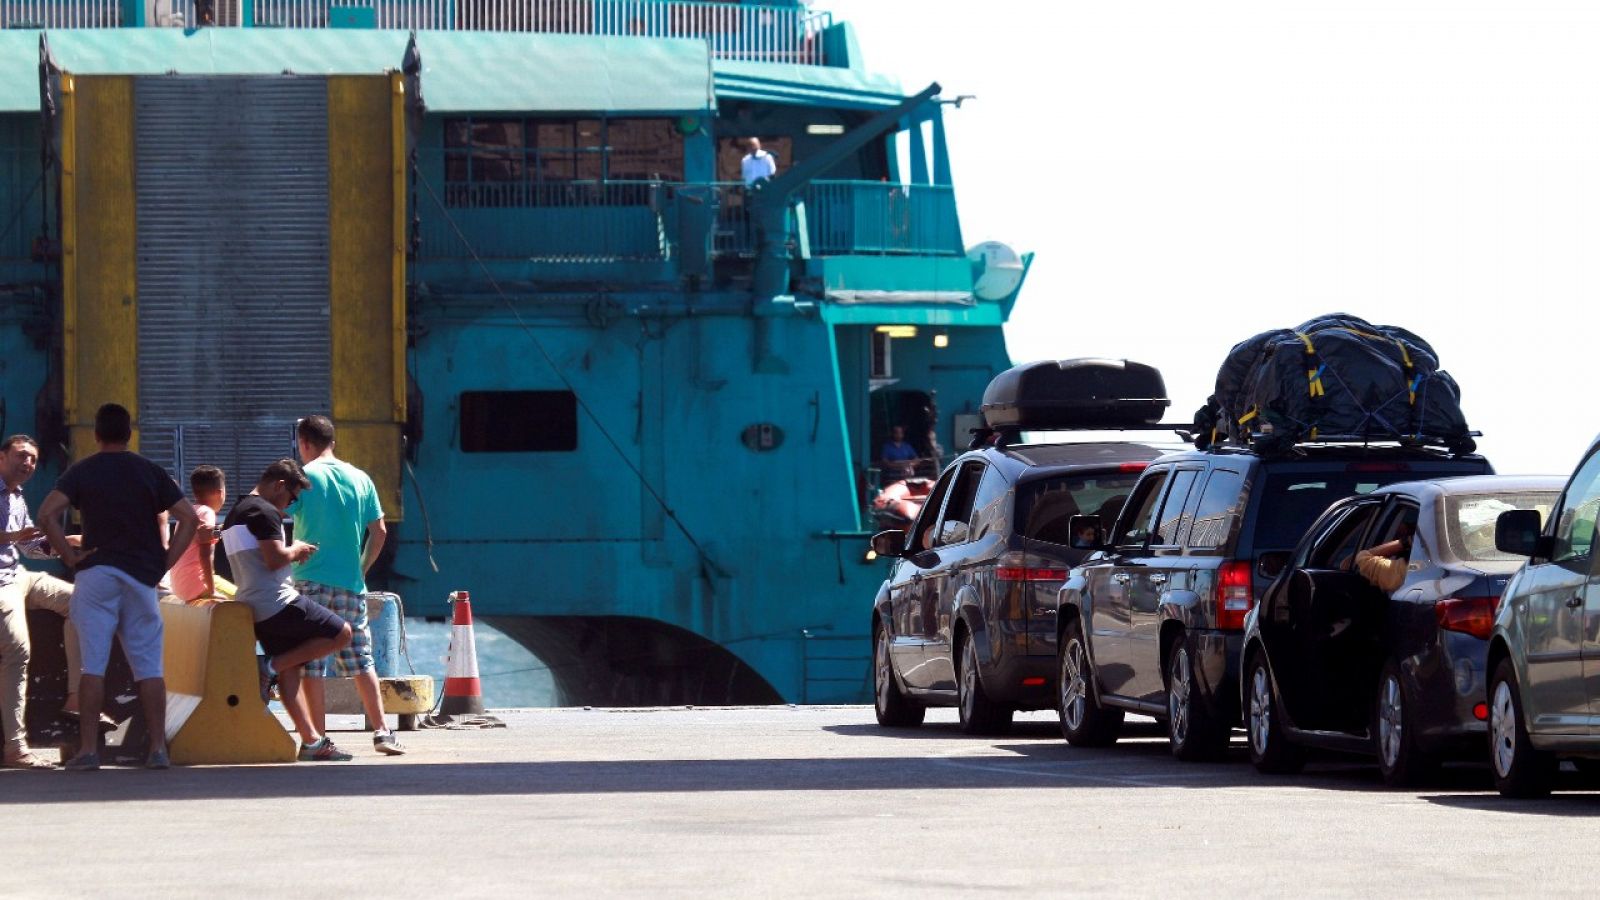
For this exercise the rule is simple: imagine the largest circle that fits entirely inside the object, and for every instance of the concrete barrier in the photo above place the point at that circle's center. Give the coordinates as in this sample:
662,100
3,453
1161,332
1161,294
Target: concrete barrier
214,709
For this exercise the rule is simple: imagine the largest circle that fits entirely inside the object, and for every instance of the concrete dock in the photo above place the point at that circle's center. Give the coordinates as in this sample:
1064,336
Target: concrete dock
791,802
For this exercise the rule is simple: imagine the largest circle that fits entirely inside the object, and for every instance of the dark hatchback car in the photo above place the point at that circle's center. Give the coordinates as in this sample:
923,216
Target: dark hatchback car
967,617
1333,660
1154,622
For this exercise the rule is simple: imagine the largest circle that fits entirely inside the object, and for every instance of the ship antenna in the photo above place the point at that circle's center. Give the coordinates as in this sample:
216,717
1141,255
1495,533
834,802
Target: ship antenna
708,566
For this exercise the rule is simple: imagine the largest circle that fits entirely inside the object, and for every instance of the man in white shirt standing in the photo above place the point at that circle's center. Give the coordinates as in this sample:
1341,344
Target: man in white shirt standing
757,163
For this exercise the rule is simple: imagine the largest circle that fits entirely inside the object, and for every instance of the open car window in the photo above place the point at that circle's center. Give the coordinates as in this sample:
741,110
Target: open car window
922,535
1335,547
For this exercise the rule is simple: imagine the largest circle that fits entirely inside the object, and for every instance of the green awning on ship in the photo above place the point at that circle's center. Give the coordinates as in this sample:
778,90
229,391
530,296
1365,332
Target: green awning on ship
804,85
463,71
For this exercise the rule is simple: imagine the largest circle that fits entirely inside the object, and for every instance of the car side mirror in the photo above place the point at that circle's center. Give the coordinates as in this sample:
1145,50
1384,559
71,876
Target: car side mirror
953,533
1519,531
1271,563
1086,533
891,543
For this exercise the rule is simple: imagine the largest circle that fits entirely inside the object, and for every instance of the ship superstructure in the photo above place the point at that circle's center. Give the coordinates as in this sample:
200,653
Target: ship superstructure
629,401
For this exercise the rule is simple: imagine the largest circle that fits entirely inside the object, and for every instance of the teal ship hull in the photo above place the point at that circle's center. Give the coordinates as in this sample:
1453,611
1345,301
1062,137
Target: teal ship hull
629,403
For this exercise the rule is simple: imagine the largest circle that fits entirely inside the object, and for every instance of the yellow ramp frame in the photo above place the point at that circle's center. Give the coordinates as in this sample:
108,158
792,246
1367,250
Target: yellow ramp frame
367,231
100,332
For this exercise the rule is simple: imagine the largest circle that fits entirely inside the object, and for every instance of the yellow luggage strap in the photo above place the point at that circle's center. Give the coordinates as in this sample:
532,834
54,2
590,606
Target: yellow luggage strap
1314,379
1249,415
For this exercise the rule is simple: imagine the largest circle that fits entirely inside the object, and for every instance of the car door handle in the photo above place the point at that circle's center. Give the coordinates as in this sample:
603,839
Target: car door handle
1157,578
1121,577
1574,602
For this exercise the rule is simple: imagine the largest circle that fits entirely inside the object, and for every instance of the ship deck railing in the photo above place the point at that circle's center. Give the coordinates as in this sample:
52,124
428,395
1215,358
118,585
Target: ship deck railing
652,220
846,218
735,31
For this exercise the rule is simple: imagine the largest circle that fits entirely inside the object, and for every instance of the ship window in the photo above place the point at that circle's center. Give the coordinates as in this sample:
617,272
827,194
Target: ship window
882,355
519,421
504,162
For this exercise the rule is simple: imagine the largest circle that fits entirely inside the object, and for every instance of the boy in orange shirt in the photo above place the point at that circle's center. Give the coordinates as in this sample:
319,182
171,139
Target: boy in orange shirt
193,577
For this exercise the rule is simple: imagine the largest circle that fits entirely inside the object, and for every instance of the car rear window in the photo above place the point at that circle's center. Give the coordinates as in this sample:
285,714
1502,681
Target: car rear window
1469,520
1045,507
1291,501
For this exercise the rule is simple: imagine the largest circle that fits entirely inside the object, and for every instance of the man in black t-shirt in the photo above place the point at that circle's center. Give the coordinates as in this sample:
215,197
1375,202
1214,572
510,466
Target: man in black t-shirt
120,496
292,630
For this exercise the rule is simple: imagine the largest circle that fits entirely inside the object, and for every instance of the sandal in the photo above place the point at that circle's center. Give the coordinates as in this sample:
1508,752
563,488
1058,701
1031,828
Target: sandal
29,761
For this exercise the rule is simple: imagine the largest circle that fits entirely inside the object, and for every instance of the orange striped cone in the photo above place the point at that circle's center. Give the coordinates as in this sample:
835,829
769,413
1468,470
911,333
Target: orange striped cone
463,695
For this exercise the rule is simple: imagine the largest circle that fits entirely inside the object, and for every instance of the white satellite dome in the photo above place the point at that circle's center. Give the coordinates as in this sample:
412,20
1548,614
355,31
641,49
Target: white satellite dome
996,270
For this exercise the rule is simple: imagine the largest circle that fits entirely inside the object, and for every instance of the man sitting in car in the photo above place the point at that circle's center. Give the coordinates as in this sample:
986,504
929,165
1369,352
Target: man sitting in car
1385,564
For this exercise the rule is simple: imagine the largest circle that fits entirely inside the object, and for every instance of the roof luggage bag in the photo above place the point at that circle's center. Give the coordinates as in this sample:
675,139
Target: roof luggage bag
1075,394
1334,378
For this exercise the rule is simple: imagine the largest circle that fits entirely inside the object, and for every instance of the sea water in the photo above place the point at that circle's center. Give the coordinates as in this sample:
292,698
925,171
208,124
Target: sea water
510,675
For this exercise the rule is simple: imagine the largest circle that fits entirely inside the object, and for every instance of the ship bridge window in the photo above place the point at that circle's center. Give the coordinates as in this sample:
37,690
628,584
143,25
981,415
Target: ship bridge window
502,162
519,421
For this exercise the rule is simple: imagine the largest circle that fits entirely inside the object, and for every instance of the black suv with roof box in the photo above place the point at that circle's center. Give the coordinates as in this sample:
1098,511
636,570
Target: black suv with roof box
1153,623
967,616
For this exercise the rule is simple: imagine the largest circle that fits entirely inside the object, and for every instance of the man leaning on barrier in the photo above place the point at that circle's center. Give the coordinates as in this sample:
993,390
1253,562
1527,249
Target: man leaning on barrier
292,630
120,495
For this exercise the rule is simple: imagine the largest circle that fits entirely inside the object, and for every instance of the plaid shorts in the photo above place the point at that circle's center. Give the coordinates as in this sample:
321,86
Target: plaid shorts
352,608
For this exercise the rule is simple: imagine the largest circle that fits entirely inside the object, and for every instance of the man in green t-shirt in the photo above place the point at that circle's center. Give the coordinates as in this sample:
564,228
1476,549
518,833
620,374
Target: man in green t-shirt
341,515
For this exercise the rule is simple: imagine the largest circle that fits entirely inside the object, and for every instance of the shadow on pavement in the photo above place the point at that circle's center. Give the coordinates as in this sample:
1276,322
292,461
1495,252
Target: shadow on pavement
1033,765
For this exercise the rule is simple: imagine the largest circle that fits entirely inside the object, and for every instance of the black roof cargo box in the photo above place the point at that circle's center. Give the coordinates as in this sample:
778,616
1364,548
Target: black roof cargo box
1075,393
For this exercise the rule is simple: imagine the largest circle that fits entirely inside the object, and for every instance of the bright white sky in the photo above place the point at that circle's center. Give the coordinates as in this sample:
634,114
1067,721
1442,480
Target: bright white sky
1192,173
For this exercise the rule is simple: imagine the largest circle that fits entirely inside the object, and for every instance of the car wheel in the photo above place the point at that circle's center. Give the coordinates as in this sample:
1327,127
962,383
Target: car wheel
1084,722
894,709
979,714
1401,760
1270,751
1520,770
1192,731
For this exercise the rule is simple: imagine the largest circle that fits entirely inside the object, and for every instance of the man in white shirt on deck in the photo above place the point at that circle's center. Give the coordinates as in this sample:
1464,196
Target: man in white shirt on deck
757,163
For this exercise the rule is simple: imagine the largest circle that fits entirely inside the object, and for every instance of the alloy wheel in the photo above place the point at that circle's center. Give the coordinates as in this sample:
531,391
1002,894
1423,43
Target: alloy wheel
881,673
1178,695
1260,710
969,678
1074,689
1391,718
1503,727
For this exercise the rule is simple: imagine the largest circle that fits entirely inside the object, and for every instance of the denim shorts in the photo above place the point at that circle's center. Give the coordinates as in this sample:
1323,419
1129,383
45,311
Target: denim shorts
351,607
107,603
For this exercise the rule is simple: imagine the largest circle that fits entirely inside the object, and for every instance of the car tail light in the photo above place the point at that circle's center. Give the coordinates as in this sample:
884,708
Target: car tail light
1033,681
1029,573
1468,615
1133,467
1234,596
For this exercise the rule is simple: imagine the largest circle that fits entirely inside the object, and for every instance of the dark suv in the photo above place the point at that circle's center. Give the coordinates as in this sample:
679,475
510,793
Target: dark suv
967,616
1154,622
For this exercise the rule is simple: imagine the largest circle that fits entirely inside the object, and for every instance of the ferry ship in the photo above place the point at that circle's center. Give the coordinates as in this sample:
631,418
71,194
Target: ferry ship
630,402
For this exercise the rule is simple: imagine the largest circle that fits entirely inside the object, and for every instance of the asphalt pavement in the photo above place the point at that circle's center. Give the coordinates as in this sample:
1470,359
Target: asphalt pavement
782,802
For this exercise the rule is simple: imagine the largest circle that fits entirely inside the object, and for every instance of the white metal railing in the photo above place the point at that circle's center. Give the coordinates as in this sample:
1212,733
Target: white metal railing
758,33
60,14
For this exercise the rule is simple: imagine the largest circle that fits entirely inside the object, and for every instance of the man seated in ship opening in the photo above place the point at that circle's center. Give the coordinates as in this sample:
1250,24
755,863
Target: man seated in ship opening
292,630
897,459
1385,564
